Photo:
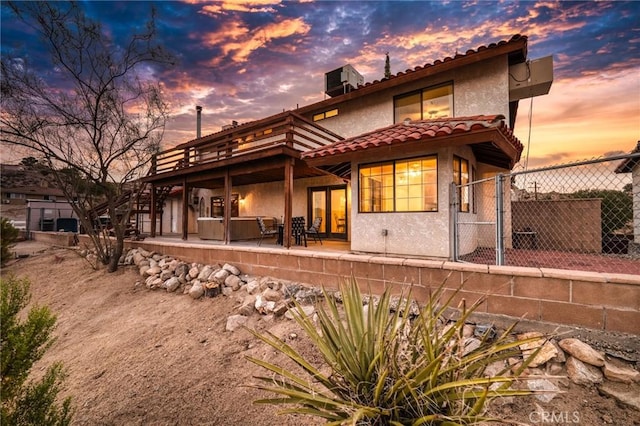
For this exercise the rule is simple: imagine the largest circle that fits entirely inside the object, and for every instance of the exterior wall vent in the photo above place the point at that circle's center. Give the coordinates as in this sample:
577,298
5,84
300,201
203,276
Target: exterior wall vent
342,80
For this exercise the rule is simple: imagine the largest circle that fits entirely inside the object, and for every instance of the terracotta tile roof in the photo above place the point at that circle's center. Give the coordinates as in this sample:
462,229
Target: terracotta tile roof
468,53
419,130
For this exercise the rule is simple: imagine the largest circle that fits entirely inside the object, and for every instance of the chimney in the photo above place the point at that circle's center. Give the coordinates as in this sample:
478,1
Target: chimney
198,121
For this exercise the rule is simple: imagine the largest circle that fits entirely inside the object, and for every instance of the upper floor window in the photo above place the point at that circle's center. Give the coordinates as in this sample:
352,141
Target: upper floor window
399,186
325,114
432,102
461,178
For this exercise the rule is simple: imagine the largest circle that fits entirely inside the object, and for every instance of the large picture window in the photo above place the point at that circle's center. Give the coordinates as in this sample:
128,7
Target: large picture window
461,178
432,102
399,186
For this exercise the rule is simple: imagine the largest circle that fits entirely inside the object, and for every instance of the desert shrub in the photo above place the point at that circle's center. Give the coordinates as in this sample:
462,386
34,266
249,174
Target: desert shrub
389,366
23,342
8,238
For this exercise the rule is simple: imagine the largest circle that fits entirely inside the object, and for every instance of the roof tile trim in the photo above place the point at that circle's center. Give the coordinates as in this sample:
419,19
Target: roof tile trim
447,59
418,130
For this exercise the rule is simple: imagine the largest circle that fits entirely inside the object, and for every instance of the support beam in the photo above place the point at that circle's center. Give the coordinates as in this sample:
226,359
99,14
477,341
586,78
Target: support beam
152,207
288,200
227,207
185,210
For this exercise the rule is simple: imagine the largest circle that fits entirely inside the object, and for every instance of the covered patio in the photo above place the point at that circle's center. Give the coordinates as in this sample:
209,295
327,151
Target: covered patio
259,152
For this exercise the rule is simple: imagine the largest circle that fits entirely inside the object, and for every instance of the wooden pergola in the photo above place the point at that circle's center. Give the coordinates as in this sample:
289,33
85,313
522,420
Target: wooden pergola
266,150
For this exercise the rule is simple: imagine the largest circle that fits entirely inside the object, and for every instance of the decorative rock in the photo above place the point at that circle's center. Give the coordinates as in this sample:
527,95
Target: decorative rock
137,258
555,368
153,270
618,372
227,291
156,282
172,284
156,257
545,389
582,351
144,253
281,308
293,312
272,295
252,286
193,272
182,269
308,295
165,275
467,330
264,306
547,352
221,275
470,345
581,373
235,321
211,289
204,274
494,369
231,269
196,291
626,394
248,306
233,281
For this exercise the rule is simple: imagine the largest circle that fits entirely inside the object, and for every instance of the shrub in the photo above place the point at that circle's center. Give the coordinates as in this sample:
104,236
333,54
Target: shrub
390,369
8,238
22,344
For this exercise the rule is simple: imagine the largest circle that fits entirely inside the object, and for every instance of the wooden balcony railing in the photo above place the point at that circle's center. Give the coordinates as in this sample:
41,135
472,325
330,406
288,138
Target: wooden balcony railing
283,129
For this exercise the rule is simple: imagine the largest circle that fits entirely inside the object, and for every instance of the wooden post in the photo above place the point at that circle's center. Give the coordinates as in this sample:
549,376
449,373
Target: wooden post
185,210
227,207
288,200
152,208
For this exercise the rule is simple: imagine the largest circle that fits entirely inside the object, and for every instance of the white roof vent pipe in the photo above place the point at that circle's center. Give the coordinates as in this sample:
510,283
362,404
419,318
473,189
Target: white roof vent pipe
198,121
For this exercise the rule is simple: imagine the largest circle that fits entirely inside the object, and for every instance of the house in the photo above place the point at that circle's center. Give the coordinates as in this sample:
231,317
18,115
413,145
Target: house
382,163
632,165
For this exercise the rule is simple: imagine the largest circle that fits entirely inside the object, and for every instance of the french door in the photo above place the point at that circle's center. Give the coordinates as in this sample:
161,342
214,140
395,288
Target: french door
330,204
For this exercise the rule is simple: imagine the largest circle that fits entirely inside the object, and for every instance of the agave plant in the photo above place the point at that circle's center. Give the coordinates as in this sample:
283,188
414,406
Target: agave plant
389,367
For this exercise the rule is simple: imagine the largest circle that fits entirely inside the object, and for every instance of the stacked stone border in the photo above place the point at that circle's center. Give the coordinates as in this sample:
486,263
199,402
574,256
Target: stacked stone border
598,301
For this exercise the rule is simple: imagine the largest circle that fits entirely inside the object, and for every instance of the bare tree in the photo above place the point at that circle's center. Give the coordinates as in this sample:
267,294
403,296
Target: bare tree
94,118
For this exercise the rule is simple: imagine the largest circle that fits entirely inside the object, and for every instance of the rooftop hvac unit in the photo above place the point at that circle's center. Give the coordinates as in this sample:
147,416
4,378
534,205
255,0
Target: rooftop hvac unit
531,78
342,80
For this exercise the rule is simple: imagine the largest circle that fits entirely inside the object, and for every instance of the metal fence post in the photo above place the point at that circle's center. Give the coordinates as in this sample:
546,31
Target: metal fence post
454,222
499,220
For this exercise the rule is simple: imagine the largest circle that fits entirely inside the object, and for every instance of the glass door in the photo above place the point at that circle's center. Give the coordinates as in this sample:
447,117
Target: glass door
330,204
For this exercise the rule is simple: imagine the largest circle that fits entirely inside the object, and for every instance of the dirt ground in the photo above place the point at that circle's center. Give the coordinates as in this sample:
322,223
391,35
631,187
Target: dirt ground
141,357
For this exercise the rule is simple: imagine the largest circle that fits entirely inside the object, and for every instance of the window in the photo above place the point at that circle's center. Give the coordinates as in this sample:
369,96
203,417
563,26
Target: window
326,114
400,186
217,206
433,102
461,178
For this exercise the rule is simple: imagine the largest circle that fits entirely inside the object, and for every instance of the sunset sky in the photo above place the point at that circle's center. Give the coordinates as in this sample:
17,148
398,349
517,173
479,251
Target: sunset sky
245,60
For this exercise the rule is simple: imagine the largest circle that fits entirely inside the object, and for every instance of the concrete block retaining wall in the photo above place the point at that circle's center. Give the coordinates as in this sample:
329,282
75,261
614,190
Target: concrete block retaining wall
599,301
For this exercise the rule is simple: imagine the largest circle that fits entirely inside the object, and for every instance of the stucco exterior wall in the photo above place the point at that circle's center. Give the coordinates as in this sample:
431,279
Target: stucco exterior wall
481,88
267,199
412,233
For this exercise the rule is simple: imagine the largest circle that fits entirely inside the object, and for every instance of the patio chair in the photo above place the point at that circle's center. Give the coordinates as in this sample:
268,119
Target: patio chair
264,231
314,230
298,230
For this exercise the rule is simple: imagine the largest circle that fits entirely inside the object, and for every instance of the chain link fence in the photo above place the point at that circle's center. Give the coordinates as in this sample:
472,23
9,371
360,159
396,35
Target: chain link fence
579,216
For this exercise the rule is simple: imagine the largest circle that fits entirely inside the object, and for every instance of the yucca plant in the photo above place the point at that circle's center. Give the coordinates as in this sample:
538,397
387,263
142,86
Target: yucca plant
388,368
